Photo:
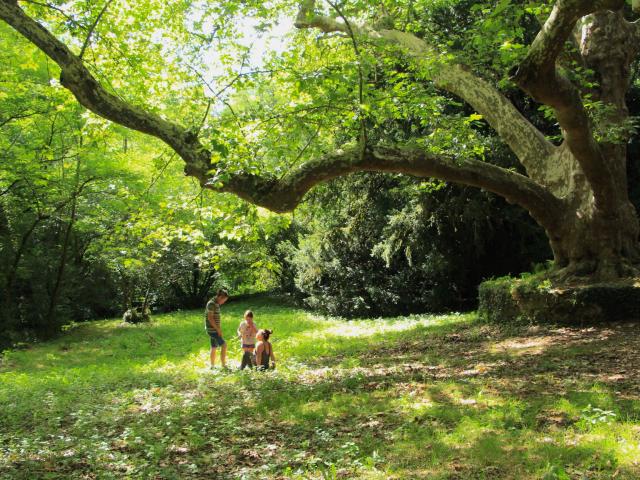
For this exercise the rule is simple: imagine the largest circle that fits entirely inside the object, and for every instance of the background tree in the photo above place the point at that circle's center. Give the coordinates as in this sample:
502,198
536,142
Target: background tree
94,217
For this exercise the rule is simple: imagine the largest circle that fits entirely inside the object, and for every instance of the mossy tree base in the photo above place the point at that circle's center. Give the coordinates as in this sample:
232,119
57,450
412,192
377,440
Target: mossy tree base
534,299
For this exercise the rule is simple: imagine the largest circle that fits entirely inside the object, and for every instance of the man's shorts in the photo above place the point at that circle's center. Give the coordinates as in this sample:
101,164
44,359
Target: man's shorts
248,345
216,340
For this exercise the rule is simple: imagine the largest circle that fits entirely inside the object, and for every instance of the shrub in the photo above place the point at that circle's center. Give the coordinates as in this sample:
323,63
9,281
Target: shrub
387,245
533,298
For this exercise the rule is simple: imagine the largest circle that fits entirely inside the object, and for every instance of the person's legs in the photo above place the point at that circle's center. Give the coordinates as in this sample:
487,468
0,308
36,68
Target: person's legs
212,357
246,362
223,355
247,356
217,342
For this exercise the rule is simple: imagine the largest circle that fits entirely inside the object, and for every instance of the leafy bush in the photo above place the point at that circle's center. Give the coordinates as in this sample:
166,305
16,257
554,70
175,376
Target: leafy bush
387,245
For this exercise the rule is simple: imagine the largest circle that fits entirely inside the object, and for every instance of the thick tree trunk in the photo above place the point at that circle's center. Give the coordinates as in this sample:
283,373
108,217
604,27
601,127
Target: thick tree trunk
597,245
598,240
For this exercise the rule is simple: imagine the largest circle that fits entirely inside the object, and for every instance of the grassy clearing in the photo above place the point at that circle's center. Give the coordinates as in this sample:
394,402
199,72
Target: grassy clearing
438,397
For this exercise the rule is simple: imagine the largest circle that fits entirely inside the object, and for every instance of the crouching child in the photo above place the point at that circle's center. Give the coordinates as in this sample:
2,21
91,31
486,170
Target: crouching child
264,351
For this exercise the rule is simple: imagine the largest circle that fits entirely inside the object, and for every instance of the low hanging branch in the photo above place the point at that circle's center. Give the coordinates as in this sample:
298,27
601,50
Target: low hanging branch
286,193
92,95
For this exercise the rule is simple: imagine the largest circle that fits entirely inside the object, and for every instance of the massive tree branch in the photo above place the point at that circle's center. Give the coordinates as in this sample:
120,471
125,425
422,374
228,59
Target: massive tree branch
530,146
539,76
78,79
284,194
526,141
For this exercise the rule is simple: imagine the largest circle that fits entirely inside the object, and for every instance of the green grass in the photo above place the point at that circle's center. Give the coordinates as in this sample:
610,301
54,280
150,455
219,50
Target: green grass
438,397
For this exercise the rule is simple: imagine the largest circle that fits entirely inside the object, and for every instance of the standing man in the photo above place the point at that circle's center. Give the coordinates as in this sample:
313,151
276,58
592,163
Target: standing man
212,325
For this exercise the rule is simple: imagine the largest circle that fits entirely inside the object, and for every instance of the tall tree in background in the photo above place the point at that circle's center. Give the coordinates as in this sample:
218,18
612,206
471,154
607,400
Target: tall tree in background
578,66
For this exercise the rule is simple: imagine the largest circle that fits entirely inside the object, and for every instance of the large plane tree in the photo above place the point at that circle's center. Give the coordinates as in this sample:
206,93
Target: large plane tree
572,60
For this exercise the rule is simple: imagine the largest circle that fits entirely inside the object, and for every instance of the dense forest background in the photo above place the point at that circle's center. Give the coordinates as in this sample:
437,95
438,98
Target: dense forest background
95,218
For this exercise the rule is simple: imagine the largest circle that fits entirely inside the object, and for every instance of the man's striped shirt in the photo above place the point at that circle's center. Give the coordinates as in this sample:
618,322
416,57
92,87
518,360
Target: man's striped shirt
212,306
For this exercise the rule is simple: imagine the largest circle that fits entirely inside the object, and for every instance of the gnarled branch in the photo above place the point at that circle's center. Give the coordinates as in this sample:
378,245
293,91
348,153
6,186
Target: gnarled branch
538,76
286,193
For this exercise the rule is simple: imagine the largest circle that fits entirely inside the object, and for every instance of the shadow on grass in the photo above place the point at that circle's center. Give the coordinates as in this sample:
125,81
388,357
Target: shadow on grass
454,406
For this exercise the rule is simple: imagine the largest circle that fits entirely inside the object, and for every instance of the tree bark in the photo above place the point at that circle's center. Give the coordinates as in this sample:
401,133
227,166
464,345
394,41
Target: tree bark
604,239
286,193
